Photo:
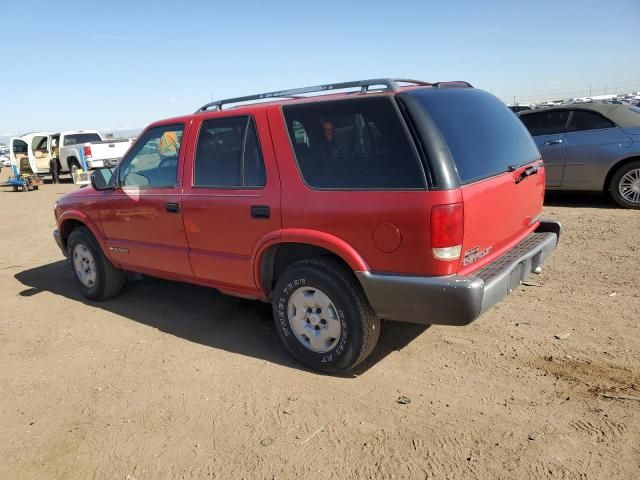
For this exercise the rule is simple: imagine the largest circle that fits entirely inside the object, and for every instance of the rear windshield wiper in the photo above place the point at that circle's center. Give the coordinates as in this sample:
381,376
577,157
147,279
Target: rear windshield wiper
532,170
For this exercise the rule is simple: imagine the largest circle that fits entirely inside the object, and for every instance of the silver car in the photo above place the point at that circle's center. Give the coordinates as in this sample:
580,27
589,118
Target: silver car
590,147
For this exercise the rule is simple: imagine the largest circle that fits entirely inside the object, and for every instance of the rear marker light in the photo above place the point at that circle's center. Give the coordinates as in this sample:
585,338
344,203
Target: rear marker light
447,226
87,151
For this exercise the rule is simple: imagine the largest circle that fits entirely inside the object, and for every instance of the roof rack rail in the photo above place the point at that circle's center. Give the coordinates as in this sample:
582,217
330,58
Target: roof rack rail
452,84
390,84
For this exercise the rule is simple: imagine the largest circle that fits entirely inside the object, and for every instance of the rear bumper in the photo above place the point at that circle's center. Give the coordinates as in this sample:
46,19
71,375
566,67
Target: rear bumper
92,164
457,299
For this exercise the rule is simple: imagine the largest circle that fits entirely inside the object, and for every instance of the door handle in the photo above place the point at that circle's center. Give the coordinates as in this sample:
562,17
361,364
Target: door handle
553,142
172,207
260,211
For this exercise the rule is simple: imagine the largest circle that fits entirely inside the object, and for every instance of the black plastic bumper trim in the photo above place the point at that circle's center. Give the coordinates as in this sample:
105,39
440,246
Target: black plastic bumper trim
456,299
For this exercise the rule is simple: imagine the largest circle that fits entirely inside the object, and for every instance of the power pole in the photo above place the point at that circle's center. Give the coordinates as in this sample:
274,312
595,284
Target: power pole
514,99
589,89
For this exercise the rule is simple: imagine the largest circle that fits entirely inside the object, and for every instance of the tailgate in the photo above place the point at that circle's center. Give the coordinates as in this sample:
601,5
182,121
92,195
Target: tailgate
498,168
499,212
108,150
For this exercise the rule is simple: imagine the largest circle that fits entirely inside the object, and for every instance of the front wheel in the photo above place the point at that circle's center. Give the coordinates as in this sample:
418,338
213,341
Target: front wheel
323,317
625,185
98,279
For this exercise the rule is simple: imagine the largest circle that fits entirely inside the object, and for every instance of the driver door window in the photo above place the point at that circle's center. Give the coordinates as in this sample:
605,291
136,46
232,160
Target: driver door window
154,161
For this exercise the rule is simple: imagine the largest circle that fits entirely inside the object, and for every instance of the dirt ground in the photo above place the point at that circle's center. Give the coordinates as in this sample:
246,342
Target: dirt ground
177,381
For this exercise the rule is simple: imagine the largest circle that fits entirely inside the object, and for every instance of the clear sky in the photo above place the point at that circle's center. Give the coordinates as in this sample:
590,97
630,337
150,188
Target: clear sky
123,64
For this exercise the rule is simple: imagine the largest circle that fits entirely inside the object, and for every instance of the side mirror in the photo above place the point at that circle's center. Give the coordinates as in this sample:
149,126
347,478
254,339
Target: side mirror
103,179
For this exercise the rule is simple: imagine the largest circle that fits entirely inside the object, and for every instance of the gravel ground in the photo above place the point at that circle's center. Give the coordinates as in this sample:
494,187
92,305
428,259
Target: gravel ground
177,381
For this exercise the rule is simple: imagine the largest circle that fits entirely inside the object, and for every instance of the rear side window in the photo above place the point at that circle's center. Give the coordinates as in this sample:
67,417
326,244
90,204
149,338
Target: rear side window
585,120
483,136
228,154
546,123
77,138
358,144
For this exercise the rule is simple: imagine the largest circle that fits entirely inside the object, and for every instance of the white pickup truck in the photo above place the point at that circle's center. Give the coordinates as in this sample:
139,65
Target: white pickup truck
77,152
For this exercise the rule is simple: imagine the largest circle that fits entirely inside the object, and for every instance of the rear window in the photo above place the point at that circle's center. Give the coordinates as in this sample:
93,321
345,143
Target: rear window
358,144
484,137
77,138
585,120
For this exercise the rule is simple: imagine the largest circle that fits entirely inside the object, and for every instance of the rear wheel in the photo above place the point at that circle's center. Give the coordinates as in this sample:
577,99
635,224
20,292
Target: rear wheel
323,317
625,185
74,169
97,277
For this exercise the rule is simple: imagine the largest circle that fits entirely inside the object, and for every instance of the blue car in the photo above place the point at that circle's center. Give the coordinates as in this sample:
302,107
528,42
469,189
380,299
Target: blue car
590,147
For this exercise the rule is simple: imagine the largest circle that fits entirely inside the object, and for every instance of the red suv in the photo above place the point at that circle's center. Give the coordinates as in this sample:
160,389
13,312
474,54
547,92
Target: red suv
401,200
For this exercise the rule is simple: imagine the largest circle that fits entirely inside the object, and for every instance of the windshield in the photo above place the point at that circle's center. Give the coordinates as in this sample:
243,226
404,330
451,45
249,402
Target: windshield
484,137
81,138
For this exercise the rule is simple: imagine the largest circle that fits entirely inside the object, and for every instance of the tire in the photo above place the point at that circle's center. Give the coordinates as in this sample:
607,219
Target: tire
625,185
101,280
327,351
73,170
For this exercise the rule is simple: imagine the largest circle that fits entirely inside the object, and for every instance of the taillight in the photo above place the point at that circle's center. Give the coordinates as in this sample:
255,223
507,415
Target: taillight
447,227
87,151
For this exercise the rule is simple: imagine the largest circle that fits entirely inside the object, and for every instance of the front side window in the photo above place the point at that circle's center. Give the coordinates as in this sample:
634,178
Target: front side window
357,144
585,120
153,162
19,146
229,154
546,123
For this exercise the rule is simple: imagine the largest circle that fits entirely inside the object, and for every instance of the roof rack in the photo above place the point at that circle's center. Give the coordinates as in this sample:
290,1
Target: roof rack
389,84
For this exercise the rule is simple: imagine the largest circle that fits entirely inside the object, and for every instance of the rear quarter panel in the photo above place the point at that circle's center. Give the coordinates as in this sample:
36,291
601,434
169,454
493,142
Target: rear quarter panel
591,154
389,229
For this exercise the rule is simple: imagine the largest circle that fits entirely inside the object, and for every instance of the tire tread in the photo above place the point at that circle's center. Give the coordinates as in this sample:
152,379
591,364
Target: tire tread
113,279
371,322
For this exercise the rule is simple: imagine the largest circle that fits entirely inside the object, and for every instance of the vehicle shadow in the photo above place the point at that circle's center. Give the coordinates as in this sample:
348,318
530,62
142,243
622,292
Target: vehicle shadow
202,315
579,200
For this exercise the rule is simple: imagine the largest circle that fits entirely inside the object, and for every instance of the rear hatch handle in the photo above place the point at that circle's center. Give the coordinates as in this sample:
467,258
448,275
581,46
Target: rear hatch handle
532,170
